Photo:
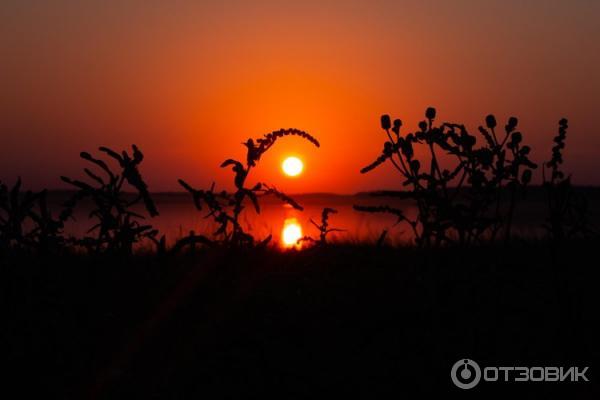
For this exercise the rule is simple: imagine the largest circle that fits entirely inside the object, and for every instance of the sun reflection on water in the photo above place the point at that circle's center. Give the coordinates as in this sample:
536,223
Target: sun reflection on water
291,232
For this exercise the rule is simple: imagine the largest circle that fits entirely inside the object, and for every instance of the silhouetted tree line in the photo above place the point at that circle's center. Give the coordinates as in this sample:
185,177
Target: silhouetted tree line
459,201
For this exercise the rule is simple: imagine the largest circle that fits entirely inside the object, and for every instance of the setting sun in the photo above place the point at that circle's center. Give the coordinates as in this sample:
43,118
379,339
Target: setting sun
292,231
292,166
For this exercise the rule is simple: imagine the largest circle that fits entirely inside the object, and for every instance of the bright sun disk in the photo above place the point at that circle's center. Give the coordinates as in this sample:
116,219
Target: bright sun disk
292,166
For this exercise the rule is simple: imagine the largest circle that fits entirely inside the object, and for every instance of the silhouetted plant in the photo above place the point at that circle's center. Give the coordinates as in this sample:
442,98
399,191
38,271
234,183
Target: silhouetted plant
225,208
27,223
118,227
323,228
15,210
47,234
470,211
567,209
190,242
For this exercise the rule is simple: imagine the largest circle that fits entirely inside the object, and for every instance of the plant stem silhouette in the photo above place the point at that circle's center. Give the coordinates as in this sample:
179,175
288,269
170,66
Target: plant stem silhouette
568,214
118,227
225,208
323,228
470,211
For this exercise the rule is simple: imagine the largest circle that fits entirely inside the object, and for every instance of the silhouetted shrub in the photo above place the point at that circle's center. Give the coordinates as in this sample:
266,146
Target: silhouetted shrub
118,227
567,209
323,228
225,208
26,222
461,202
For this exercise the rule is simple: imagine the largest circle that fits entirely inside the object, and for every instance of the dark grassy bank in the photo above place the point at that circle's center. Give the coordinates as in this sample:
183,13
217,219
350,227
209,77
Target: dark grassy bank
326,321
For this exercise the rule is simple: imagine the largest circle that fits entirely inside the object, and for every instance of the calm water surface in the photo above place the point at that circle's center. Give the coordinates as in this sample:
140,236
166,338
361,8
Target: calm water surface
178,217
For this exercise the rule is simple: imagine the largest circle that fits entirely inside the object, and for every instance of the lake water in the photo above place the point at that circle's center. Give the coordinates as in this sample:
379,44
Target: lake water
178,217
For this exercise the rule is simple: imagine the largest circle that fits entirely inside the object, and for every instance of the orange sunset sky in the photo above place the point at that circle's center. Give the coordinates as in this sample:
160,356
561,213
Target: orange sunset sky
188,81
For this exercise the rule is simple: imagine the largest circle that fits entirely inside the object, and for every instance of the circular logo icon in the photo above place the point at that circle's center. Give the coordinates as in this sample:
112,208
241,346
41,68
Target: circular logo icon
465,373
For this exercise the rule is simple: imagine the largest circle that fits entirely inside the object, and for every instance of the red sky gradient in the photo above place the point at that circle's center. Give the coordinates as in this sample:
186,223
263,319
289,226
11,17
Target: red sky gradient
188,82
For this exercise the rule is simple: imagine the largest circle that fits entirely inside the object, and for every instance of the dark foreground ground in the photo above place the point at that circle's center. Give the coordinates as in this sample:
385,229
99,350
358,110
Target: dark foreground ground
327,322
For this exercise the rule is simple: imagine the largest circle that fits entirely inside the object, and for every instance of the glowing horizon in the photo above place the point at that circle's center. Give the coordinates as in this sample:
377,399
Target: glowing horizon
189,83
